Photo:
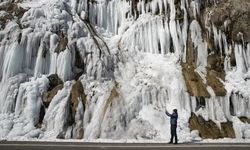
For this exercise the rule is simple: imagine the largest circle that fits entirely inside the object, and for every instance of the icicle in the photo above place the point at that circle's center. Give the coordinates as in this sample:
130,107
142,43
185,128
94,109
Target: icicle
13,61
150,40
64,65
9,90
239,59
195,6
162,37
173,31
160,5
168,36
199,44
248,55
184,30
155,37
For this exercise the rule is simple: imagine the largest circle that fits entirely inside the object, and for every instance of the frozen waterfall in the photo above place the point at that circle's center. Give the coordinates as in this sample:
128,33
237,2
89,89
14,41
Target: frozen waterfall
119,64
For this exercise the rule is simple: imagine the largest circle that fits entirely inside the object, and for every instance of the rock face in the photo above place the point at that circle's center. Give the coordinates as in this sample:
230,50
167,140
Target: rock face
208,129
55,84
232,17
113,95
62,44
215,79
54,81
77,98
75,106
196,86
194,83
77,94
12,11
48,96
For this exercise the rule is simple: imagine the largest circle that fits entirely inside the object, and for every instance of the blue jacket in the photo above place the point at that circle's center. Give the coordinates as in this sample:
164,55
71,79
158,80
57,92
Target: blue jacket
173,118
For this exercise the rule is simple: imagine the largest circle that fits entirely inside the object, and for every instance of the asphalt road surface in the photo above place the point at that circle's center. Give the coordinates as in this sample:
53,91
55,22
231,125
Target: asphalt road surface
117,146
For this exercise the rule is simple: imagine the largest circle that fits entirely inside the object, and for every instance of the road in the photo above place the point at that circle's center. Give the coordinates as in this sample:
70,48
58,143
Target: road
116,146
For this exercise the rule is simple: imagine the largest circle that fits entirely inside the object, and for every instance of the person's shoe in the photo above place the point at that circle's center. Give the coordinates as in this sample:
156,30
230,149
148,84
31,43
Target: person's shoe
175,143
170,142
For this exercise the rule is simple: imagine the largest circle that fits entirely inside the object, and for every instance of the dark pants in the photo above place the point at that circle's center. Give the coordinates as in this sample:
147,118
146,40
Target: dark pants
173,133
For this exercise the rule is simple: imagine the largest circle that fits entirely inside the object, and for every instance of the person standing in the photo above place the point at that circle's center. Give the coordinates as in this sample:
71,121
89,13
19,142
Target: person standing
173,123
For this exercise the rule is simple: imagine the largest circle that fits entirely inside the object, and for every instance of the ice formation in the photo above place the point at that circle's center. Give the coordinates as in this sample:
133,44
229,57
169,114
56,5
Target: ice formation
128,56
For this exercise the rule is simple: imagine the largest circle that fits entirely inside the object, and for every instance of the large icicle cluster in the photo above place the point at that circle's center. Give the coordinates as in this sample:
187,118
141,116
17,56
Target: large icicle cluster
108,69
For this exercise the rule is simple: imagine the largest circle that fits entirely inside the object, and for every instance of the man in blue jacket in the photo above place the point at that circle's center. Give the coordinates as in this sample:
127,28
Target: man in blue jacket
173,123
